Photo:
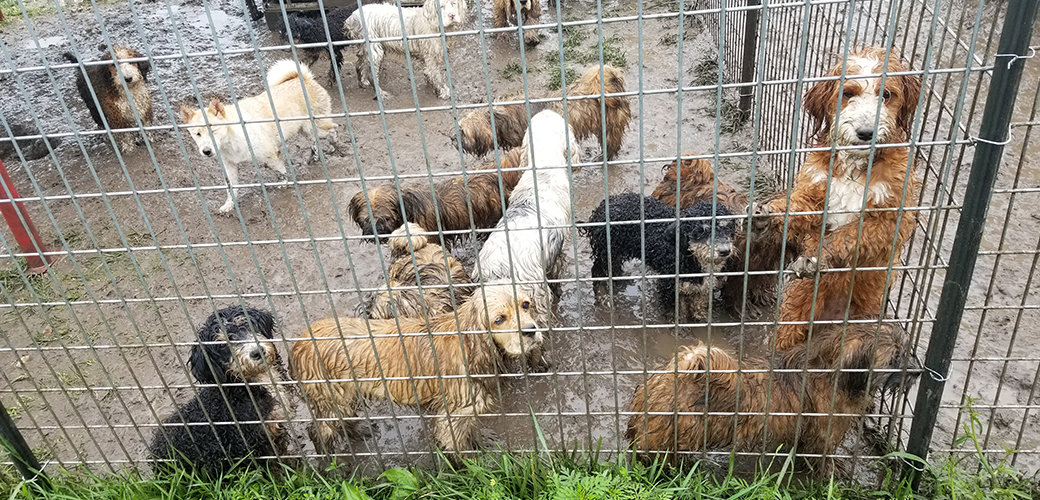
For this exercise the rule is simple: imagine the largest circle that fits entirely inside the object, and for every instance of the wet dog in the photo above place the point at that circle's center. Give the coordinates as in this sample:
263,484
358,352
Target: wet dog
696,183
505,12
642,227
856,194
244,417
309,27
694,405
583,115
295,95
447,207
383,359
114,104
418,262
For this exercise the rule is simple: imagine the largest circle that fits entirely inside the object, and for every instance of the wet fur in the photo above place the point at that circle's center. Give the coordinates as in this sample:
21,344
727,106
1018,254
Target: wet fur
115,105
530,12
309,27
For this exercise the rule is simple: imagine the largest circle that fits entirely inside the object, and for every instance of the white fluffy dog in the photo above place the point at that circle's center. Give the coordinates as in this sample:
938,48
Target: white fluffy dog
538,217
287,87
384,21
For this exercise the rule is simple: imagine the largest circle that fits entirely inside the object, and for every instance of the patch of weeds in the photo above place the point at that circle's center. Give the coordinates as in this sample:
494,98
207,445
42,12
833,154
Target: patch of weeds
706,73
512,71
670,39
113,257
12,12
67,379
72,237
16,277
574,36
556,78
614,51
54,334
766,184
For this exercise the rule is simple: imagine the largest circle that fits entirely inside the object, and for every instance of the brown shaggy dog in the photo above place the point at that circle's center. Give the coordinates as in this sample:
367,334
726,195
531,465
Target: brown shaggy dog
379,361
107,83
443,288
695,183
530,11
452,198
870,360
841,191
583,115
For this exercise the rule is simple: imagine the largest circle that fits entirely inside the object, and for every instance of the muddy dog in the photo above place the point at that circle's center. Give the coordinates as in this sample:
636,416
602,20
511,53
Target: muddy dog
114,105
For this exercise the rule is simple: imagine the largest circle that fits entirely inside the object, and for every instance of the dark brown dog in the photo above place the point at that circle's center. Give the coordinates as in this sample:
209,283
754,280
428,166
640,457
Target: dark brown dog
107,84
583,115
695,184
530,12
852,369
452,198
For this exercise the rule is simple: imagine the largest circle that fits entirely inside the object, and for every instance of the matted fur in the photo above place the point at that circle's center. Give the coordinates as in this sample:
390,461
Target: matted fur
530,12
845,244
364,355
309,27
695,180
870,360
287,86
384,21
115,104
583,115
452,199
442,277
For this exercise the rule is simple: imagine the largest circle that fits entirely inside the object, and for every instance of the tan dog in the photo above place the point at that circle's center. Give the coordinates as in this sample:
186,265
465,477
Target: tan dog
530,12
393,363
291,91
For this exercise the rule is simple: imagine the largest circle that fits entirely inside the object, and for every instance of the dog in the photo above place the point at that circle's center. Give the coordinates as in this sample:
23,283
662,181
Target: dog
30,149
239,143
385,21
383,359
584,116
447,207
246,415
836,181
693,405
705,246
418,262
114,105
309,27
695,180
527,244
530,11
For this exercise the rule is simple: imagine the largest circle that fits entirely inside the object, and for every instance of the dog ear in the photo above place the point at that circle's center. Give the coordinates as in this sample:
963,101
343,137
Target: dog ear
216,107
819,103
858,360
911,93
262,321
205,366
144,67
186,113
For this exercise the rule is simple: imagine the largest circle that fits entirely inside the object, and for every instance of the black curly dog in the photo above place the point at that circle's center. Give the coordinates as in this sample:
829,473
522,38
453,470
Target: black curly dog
308,27
247,371
628,239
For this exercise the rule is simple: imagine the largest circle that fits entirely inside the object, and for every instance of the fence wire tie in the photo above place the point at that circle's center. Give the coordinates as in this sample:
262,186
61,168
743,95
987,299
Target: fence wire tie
975,139
1015,57
936,376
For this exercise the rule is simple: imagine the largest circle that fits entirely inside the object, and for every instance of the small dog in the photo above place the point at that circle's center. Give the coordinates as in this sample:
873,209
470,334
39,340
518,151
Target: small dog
245,413
853,363
384,21
441,276
309,27
530,11
31,149
527,244
447,208
583,115
837,181
695,180
699,252
228,136
378,360
113,103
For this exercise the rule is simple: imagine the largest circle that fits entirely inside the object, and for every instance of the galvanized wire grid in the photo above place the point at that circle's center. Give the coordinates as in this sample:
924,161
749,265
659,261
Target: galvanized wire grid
94,350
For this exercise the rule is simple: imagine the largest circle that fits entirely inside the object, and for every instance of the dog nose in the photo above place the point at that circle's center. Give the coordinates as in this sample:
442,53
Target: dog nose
724,252
257,354
865,134
207,151
529,330
128,79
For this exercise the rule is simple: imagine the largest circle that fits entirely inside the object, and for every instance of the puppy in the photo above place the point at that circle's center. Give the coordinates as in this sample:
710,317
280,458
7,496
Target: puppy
527,244
239,144
447,208
837,184
583,115
113,104
244,417
530,11
695,180
695,404
441,277
309,27
641,227
30,149
379,360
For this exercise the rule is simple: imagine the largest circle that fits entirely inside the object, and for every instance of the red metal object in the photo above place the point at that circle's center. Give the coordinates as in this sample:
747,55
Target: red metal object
22,226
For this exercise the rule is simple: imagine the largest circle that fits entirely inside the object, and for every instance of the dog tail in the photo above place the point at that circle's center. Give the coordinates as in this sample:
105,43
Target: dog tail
285,70
401,244
70,58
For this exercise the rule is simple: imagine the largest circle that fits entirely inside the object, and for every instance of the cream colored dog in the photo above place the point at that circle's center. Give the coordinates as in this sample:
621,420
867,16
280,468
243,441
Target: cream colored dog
241,138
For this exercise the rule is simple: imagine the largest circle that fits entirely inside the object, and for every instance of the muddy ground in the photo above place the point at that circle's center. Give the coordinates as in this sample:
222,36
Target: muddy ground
91,348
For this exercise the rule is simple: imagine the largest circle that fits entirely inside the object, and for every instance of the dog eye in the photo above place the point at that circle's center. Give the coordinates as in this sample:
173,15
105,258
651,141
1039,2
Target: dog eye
886,95
499,320
848,94
526,305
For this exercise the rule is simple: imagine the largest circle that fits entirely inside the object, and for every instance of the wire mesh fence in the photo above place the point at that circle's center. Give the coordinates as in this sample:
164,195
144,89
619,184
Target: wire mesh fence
148,242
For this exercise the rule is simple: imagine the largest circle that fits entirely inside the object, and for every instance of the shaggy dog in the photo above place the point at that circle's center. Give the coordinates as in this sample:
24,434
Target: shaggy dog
583,115
854,187
241,418
447,207
31,149
530,11
695,404
384,21
695,180
113,104
385,359
441,277
641,224
527,244
309,27
292,91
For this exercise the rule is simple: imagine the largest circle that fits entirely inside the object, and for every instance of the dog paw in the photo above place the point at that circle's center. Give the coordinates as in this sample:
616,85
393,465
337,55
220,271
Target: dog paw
444,92
805,267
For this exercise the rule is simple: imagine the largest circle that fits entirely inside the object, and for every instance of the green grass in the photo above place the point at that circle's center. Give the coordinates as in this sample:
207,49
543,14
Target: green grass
556,77
13,13
512,71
